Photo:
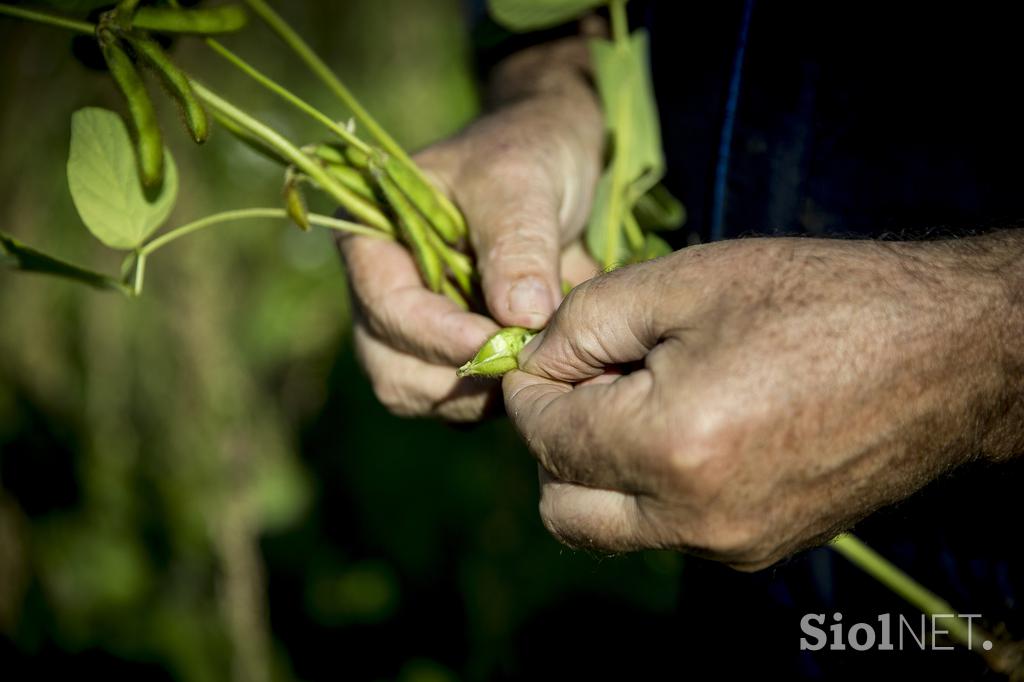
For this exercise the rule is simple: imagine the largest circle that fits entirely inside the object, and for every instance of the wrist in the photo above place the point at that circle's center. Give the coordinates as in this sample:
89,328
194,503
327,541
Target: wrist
985,289
1006,263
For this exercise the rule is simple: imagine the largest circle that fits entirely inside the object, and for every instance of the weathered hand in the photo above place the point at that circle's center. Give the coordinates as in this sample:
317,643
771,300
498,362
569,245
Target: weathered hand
786,389
523,176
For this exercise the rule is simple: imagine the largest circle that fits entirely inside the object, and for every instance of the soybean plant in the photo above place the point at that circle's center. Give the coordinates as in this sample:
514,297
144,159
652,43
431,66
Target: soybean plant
372,178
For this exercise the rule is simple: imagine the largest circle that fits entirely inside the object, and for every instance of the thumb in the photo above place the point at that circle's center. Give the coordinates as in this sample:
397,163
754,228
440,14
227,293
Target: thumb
517,237
602,323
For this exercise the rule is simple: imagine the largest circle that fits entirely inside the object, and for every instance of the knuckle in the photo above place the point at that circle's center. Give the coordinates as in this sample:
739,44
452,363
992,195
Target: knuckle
523,237
700,451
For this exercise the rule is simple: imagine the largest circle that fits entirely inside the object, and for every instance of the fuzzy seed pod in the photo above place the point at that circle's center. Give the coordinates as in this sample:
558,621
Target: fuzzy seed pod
499,355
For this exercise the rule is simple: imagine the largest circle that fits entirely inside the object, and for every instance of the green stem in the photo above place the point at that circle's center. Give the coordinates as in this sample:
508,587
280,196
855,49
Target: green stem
356,205
929,603
48,19
279,26
620,22
288,96
322,71
250,214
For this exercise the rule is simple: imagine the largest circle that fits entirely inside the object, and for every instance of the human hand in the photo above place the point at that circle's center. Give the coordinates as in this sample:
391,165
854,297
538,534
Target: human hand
788,388
523,176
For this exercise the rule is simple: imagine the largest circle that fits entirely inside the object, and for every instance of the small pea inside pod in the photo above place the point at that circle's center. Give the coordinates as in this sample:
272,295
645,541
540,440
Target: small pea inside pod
499,355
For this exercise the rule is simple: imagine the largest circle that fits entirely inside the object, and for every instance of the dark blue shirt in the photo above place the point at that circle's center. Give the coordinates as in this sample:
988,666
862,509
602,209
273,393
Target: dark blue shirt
865,119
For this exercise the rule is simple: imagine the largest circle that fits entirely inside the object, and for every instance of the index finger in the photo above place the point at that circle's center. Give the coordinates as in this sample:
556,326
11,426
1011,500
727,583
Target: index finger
402,312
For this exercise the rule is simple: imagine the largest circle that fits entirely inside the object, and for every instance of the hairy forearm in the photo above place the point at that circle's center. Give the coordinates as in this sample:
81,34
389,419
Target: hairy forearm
998,258
972,289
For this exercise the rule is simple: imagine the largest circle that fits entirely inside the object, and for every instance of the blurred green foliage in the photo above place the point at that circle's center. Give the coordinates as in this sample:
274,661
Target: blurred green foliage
198,485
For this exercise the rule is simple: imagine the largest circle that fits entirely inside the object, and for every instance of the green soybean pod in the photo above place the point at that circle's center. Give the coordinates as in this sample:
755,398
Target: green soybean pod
295,205
176,82
452,292
459,265
203,21
352,179
328,153
357,158
413,229
425,197
149,142
334,161
295,201
499,355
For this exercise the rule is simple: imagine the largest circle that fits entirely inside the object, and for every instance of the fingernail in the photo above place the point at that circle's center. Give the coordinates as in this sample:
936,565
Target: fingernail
529,296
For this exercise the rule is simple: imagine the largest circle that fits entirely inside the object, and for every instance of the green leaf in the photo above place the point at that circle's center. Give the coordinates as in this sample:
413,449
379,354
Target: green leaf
16,255
636,160
654,247
530,15
659,210
646,156
105,185
604,236
631,112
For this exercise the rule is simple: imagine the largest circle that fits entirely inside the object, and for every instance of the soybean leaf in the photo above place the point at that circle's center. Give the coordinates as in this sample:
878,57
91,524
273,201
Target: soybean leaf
105,185
647,157
16,255
530,15
624,83
636,162
604,238
659,210
654,247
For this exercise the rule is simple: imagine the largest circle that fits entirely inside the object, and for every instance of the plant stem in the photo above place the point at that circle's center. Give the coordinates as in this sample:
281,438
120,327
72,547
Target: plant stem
322,71
279,26
356,205
288,96
929,603
620,22
48,19
249,214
